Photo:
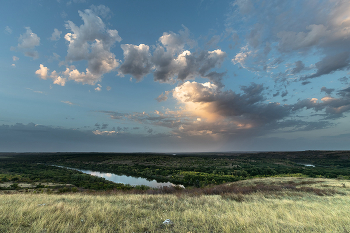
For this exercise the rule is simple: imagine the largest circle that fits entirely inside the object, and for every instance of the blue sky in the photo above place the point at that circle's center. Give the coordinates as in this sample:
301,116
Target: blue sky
171,76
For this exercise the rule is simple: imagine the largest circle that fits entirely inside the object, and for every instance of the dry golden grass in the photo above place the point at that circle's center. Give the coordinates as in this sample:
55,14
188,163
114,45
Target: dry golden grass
285,211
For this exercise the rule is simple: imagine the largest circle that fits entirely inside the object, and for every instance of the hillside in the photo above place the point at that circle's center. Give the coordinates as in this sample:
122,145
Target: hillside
313,205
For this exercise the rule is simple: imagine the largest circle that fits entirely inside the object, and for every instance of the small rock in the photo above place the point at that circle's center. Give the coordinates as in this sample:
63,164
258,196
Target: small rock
41,204
167,222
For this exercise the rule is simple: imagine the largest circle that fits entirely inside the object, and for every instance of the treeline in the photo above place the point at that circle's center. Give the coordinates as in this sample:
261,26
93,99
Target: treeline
30,173
203,176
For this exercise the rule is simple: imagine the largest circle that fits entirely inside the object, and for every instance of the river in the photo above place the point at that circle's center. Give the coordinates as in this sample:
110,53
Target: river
123,178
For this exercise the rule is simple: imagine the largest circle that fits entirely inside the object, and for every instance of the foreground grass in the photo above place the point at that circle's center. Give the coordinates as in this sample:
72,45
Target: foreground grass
282,211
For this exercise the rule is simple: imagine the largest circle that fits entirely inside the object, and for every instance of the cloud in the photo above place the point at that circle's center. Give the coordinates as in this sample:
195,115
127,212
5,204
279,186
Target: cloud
282,34
175,43
60,81
27,42
247,109
137,61
57,139
299,66
8,30
149,131
163,96
40,92
276,94
108,88
344,80
98,88
327,90
14,58
115,115
305,82
57,79
332,106
63,14
187,65
242,56
206,110
330,64
171,61
284,93
42,72
92,42
101,10
214,40
56,35
290,41
98,132
244,6
75,1
68,102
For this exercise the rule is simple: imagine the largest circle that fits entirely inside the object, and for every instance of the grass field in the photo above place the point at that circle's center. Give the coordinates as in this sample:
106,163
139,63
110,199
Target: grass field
261,211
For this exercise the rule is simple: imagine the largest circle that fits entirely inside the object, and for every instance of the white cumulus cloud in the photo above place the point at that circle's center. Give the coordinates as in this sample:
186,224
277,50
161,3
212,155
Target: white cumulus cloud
42,72
92,42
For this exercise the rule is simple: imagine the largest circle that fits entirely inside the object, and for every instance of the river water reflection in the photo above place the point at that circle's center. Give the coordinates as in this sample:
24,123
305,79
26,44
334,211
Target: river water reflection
123,178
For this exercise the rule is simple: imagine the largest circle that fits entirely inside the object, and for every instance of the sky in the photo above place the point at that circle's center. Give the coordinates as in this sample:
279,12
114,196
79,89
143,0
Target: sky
174,76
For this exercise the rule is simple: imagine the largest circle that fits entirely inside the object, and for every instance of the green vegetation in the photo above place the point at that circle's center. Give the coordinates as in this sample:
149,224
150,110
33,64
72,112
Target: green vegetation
270,210
20,172
197,170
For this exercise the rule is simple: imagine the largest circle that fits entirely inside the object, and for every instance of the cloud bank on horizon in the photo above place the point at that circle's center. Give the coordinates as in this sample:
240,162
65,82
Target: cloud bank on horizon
235,75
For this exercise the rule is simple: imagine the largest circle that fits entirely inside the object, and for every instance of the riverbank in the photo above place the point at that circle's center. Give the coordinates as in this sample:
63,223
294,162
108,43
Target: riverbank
283,210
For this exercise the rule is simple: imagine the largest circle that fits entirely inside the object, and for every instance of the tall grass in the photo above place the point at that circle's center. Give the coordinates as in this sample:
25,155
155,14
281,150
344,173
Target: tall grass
285,210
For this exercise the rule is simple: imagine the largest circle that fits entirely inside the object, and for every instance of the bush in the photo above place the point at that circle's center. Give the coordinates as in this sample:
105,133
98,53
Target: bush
14,186
4,179
64,190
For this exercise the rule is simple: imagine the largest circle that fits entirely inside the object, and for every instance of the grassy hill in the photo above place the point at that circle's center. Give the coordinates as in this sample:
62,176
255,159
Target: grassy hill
280,204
